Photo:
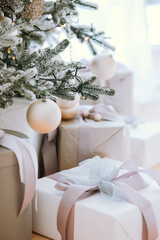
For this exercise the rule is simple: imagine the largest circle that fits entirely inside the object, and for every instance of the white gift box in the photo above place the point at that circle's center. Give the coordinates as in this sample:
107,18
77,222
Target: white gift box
122,83
96,217
14,118
145,143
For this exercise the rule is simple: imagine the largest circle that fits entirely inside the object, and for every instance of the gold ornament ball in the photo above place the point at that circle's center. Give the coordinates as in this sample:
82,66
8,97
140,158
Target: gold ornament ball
65,104
44,116
104,66
69,113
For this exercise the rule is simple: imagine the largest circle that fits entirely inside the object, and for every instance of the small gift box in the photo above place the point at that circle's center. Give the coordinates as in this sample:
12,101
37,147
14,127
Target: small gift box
145,139
80,139
117,213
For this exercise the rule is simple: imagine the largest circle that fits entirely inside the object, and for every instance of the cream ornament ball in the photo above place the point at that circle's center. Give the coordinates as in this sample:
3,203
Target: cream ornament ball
103,66
65,104
69,113
44,116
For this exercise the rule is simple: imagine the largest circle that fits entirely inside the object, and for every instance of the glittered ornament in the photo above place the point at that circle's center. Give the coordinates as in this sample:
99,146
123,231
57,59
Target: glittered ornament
34,10
104,66
44,116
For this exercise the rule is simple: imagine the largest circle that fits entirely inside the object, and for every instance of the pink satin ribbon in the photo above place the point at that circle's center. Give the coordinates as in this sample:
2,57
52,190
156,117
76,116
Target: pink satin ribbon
85,131
27,160
49,153
128,183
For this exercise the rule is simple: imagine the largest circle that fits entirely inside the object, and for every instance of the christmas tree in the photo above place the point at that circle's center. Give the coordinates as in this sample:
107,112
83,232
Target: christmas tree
27,68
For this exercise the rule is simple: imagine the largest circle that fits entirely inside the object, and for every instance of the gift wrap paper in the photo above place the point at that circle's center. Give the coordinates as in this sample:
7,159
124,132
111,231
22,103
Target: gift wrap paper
12,227
96,217
145,143
108,141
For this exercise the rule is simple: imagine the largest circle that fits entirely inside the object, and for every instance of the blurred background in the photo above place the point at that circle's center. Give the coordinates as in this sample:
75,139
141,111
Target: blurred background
134,28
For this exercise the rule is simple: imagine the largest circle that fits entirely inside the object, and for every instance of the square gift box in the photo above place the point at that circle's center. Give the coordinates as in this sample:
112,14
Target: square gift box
145,143
108,141
96,217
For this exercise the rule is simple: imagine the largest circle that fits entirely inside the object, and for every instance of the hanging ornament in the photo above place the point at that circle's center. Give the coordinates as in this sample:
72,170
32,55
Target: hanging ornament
104,66
69,113
43,116
69,108
34,10
62,103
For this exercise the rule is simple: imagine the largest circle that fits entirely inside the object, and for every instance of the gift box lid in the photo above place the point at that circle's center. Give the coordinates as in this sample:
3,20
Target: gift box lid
7,156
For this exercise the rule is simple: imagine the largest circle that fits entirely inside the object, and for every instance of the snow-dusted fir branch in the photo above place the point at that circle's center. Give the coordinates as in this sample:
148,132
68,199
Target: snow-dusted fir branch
36,72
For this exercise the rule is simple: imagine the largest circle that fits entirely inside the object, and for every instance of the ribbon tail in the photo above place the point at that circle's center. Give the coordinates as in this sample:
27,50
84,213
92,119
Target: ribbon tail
65,216
49,155
29,177
145,207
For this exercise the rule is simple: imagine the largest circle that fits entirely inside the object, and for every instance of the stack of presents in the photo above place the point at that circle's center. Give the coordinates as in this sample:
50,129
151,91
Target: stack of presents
87,189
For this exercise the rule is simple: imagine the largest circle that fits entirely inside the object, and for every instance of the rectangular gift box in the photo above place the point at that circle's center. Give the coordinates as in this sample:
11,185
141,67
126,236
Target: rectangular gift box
96,217
12,227
145,143
108,141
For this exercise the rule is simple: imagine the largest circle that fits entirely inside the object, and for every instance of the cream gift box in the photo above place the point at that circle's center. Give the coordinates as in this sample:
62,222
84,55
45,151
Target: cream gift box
108,141
96,217
12,227
145,143
14,118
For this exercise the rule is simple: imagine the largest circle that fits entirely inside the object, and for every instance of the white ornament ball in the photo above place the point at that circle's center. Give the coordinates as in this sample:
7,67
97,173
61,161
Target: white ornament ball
43,116
97,117
85,113
65,104
103,66
69,113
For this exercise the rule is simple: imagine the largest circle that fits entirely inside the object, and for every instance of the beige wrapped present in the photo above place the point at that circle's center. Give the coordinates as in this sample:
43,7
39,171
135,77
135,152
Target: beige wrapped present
108,141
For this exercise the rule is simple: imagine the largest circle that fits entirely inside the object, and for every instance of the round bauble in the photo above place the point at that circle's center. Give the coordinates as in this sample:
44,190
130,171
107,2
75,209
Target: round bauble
69,113
34,10
65,104
43,116
104,66
97,117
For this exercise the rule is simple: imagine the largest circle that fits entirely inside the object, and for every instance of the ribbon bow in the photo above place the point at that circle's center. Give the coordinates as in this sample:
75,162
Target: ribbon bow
27,160
126,185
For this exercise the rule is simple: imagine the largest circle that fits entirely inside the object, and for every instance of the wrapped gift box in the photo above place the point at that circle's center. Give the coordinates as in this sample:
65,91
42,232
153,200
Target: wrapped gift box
145,143
14,118
96,217
122,82
108,141
12,227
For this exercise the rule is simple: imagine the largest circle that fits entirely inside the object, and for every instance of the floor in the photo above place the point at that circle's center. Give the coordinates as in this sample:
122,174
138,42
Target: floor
151,111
